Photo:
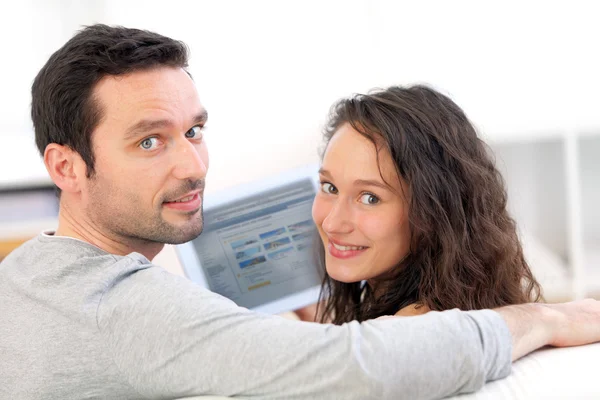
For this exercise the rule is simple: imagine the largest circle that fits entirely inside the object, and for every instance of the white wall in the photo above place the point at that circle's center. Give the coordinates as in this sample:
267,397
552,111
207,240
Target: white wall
590,160
535,172
526,72
31,30
269,70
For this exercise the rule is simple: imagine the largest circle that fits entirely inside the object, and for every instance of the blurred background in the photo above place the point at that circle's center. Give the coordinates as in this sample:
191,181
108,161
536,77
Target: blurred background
525,72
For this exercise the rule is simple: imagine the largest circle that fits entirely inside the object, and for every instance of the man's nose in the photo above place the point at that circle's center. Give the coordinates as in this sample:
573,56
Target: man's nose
189,161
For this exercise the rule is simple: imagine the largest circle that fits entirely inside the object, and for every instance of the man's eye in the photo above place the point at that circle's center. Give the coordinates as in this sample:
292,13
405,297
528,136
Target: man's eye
194,133
149,143
328,188
369,199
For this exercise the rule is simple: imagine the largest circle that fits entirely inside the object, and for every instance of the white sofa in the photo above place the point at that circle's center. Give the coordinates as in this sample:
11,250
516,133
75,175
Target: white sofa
549,373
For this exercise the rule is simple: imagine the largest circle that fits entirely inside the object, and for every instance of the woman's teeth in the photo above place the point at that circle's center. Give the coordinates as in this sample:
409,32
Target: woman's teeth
347,248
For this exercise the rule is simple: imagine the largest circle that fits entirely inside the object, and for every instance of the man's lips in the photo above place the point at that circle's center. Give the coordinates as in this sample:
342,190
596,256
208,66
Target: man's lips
189,202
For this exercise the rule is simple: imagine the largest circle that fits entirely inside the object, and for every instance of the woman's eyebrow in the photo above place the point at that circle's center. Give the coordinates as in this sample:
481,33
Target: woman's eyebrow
361,182
369,182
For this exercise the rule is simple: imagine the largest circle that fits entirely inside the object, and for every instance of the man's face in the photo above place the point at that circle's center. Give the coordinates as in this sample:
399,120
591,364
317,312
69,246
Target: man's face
150,158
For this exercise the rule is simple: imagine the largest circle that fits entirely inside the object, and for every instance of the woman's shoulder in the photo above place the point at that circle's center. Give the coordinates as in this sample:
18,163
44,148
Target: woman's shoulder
412,310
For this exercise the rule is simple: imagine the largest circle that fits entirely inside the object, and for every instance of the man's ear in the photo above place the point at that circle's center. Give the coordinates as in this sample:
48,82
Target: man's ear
65,166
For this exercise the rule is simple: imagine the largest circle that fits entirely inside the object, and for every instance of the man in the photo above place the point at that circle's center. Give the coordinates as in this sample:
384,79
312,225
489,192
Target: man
85,314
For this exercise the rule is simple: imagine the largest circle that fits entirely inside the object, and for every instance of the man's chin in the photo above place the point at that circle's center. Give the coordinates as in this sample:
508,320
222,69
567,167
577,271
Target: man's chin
184,231
184,237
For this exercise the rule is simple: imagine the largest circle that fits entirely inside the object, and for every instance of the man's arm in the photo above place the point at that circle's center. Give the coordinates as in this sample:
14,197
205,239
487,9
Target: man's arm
536,325
171,338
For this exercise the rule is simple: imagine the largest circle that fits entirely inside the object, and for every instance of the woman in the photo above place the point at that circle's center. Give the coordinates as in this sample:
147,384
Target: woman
412,212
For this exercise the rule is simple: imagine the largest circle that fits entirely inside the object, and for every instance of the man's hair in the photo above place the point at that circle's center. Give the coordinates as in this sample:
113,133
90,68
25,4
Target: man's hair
63,107
465,252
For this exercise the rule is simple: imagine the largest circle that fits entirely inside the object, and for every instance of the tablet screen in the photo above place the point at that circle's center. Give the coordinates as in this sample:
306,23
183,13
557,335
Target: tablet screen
260,248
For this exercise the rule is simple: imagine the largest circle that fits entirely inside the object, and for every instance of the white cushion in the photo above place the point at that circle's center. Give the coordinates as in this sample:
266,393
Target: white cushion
549,373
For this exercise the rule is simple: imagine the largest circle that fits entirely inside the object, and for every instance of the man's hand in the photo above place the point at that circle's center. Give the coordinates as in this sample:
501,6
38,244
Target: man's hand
567,324
576,323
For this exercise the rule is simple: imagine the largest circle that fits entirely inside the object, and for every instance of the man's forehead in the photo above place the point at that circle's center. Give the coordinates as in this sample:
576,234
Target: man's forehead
147,87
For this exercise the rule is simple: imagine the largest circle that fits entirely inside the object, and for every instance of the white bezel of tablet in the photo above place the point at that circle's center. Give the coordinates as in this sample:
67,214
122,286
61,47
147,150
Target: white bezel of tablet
190,261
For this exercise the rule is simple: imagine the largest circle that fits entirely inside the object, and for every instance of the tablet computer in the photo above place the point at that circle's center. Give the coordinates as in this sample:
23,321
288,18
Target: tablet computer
258,243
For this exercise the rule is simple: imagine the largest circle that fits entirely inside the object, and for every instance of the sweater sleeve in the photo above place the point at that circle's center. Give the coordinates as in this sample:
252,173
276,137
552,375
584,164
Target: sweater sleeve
171,338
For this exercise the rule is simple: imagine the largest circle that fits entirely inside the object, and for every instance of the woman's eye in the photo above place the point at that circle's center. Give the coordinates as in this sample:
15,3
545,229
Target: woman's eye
369,199
194,133
328,188
149,143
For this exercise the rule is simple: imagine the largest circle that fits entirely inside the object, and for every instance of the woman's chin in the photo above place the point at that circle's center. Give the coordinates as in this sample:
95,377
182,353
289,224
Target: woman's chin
342,276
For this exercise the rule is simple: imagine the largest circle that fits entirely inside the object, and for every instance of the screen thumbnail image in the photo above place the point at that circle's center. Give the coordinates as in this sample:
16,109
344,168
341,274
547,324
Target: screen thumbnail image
253,261
276,255
302,236
249,252
304,246
274,232
277,243
243,242
302,226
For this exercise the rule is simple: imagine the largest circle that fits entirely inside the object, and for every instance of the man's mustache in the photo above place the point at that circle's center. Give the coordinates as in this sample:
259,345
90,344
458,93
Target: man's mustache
185,188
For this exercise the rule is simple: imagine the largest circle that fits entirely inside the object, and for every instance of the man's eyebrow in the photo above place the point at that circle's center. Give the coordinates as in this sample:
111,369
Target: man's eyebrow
147,125
200,118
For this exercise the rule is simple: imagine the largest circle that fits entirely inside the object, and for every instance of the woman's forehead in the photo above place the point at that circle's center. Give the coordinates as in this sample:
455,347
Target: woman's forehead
352,154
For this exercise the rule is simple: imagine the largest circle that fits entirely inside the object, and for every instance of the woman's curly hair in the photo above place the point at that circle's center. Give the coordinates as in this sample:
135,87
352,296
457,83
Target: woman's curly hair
465,252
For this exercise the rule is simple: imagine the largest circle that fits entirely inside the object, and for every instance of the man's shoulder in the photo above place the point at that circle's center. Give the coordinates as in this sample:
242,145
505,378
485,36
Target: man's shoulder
49,248
62,255
137,278
148,291
68,264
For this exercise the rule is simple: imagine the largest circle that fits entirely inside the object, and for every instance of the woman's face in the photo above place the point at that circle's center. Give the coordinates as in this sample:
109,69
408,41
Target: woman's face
361,211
